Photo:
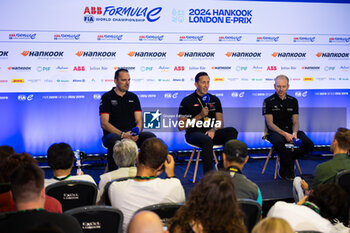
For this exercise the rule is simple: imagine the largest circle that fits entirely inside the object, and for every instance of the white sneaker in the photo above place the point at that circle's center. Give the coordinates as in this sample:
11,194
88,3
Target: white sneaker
298,192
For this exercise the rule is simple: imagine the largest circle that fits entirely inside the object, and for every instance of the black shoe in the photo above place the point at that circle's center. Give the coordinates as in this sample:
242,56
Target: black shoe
285,174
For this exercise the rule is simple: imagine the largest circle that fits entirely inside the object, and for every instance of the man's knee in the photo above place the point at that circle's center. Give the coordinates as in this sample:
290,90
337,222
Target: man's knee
232,132
110,139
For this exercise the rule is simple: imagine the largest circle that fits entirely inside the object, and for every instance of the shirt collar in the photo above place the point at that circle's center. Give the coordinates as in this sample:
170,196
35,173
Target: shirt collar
341,156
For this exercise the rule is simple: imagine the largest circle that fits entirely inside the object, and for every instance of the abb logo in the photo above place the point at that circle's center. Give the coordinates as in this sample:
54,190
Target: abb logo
93,10
179,68
273,68
79,68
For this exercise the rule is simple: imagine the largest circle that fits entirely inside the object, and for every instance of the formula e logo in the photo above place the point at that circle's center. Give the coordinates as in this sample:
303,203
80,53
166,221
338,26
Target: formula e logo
152,120
301,94
24,97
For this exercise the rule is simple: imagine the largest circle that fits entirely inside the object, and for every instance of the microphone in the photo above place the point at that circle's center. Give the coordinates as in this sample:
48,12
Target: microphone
206,99
135,131
297,142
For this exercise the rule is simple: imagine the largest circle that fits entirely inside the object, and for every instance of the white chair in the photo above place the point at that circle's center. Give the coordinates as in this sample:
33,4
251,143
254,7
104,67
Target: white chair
197,148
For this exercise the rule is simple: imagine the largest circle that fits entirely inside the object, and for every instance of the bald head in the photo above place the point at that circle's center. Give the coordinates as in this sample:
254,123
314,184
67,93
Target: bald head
145,222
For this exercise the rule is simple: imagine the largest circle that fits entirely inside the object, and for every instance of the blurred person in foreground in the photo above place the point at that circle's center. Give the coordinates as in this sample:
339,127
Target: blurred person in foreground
211,207
6,199
272,225
27,187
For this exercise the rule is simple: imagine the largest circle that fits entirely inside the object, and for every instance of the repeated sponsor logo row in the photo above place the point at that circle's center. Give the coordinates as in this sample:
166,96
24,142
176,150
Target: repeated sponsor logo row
28,97
172,38
176,68
168,79
198,55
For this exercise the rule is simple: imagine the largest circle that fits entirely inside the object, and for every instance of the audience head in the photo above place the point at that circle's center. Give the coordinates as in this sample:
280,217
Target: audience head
153,153
273,225
12,162
125,152
5,151
60,156
212,205
235,151
342,138
145,222
27,183
331,200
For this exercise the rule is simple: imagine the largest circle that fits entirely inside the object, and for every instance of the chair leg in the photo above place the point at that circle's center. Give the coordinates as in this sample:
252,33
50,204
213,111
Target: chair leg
216,161
189,162
276,166
267,160
297,163
196,168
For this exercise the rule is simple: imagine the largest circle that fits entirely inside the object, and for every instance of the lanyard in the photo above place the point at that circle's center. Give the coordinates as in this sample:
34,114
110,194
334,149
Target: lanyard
233,170
63,178
144,177
312,206
200,102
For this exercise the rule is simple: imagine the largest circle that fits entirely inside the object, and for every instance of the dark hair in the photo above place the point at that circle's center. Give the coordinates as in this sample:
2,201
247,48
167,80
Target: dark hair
12,162
236,151
331,199
200,74
27,181
213,204
153,153
116,74
60,156
343,138
5,151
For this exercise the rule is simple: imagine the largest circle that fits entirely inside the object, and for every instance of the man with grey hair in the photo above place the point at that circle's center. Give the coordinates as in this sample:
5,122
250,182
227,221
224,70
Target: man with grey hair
124,155
235,156
145,222
281,112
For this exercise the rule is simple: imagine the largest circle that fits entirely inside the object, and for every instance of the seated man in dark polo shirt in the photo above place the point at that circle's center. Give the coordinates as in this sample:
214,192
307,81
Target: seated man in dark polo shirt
281,112
120,114
204,121
235,156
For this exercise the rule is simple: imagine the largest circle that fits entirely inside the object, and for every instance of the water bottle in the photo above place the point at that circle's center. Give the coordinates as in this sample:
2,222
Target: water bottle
78,162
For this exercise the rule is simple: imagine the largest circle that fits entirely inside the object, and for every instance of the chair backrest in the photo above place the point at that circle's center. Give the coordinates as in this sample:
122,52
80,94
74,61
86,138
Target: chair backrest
343,180
165,211
308,232
252,212
105,197
73,193
5,187
98,219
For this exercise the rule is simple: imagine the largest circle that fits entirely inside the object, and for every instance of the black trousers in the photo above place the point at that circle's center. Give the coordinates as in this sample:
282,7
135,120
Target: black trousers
110,139
206,143
286,156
